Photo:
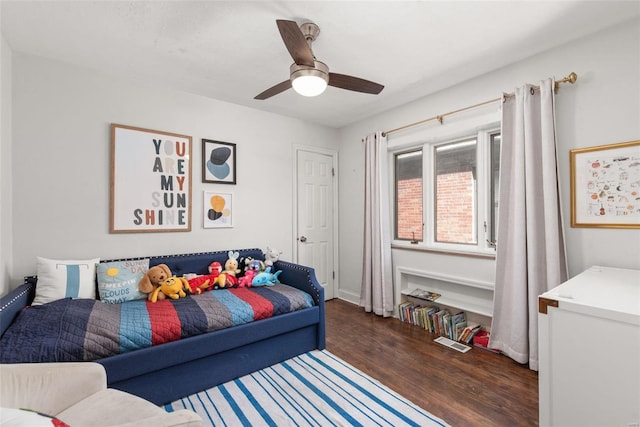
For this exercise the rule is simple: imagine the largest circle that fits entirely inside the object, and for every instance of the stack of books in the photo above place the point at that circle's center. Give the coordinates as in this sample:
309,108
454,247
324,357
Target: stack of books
438,321
424,295
469,332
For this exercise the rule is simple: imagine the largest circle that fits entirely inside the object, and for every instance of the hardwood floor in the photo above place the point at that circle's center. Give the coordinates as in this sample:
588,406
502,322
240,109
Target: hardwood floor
477,388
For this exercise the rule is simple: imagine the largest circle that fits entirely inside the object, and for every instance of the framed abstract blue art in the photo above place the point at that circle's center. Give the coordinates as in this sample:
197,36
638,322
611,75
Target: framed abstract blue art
218,162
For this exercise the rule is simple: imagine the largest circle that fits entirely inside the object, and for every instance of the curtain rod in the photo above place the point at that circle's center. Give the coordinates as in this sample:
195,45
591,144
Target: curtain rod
571,78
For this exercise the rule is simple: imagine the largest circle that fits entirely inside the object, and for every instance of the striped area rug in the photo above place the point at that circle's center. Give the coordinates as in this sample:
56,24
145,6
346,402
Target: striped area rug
313,389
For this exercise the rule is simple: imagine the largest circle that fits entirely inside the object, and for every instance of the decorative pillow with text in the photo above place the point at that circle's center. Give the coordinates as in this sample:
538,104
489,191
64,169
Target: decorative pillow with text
118,280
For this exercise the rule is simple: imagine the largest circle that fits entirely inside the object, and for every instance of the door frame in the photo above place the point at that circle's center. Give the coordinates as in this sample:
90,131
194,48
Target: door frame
334,164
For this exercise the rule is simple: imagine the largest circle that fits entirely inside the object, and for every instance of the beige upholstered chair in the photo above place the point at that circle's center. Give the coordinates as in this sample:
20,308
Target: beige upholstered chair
77,394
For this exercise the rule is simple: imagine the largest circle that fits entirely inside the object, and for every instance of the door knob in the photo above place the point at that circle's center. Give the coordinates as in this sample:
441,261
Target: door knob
303,239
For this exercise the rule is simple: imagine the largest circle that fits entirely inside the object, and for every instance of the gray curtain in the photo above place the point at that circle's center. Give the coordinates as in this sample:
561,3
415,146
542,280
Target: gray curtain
531,255
376,292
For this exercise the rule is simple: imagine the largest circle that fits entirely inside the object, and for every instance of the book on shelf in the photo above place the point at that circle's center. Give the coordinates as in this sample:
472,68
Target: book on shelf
439,322
404,310
454,326
458,328
423,295
446,320
429,314
468,332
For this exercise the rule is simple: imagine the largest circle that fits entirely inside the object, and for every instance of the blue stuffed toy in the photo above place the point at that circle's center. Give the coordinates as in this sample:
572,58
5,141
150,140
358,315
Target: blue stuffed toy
266,278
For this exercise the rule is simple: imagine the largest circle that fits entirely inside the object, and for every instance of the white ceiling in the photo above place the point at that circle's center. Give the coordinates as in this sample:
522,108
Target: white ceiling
231,50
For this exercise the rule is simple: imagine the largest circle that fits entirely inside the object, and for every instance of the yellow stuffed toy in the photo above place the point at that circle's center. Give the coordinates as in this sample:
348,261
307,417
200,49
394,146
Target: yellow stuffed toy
173,287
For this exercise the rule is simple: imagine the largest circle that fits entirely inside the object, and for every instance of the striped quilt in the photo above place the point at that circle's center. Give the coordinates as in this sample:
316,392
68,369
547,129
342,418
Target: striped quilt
83,330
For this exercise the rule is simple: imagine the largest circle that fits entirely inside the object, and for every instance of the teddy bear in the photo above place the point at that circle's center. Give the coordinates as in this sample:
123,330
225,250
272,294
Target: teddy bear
153,278
172,287
271,256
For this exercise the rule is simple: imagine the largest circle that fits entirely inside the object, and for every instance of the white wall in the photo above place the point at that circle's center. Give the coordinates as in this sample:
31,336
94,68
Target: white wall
603,107
5,165
55,143
61,142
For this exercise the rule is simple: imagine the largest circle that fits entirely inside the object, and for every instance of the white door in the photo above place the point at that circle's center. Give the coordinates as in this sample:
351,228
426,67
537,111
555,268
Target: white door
315,216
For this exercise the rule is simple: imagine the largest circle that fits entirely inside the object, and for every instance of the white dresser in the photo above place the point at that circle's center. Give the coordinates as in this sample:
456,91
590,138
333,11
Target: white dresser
589,344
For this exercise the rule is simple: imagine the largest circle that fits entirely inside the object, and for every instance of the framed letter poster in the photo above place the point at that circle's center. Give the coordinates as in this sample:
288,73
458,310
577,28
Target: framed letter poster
605,186
150,181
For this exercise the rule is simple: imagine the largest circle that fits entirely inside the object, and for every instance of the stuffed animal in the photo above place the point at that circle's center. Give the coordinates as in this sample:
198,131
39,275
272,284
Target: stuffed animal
244,262
256,265
207,282
215,268
218,279
245,281
153,278
197,283
173,287
271,256
231,268
266,278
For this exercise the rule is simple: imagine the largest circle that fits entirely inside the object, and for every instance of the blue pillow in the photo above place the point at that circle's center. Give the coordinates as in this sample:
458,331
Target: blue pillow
118,280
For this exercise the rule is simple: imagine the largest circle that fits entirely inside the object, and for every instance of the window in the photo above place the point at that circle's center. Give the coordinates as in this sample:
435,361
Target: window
455,192
408,168
494,148
446,193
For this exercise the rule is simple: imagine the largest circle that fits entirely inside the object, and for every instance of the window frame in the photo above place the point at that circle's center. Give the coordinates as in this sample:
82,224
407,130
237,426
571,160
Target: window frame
483,136
394,160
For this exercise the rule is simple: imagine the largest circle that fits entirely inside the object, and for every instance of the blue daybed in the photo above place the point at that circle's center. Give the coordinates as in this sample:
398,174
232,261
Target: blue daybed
166,372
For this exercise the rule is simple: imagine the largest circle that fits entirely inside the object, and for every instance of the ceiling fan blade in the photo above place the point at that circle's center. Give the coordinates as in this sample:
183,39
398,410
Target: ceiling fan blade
295,42
354,83
279,88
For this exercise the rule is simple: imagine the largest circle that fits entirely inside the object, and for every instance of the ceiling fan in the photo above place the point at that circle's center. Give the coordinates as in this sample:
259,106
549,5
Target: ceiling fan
308,76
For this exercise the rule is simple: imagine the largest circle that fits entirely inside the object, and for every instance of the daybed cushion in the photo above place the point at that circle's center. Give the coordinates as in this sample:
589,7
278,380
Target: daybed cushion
59,279
83,329
118,280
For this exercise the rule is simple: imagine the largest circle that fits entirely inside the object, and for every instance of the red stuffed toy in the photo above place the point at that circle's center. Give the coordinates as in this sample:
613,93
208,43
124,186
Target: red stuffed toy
207,282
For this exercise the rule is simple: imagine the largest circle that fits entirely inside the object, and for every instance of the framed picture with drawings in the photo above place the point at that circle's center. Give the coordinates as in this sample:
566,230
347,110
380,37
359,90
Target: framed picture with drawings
605,186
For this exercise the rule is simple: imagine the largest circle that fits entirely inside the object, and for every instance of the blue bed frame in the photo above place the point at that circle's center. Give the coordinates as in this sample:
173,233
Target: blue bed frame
164,373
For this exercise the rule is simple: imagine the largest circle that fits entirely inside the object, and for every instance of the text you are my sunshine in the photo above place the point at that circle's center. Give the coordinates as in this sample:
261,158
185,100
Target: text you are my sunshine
169,202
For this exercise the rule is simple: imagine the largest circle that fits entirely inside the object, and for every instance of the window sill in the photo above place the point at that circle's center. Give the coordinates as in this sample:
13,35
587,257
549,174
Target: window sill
421,248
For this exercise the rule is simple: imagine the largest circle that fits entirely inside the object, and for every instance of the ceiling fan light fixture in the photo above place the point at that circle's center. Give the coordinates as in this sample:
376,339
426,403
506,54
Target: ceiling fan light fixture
309,85
308,76
308,81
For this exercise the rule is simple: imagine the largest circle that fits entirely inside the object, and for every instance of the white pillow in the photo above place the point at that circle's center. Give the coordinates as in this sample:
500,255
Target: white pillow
59,279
